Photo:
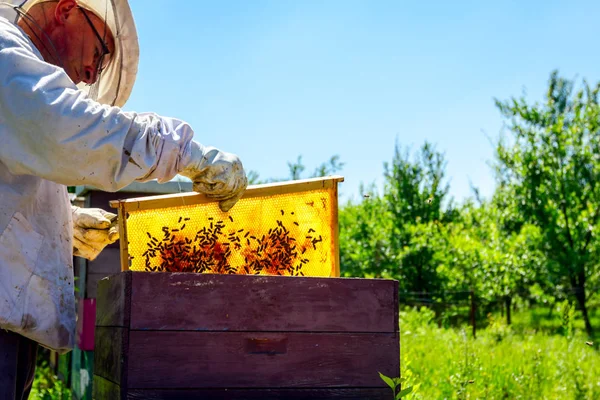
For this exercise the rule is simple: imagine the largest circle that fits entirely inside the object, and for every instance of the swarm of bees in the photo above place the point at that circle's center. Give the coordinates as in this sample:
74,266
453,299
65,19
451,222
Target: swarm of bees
216,249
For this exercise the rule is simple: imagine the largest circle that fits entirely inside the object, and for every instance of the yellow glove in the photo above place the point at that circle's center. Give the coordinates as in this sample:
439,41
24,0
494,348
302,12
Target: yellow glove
93,230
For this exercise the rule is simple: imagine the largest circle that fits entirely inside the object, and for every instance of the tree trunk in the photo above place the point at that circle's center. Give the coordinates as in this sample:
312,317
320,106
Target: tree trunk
507,302
580,296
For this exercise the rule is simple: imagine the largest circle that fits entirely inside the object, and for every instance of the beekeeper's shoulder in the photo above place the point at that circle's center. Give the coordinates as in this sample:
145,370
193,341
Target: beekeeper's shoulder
12,37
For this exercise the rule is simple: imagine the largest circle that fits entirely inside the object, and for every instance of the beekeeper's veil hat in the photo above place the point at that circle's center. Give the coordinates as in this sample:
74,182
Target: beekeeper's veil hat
116,80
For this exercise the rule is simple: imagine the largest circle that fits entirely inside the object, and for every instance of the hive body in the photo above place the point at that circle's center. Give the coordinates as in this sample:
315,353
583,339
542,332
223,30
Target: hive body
188,335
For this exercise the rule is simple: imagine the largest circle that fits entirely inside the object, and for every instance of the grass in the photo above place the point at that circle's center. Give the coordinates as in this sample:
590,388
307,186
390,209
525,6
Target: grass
548,320
547,359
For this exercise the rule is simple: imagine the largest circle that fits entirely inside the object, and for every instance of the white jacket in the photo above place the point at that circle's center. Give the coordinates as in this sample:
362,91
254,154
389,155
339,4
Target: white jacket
51,136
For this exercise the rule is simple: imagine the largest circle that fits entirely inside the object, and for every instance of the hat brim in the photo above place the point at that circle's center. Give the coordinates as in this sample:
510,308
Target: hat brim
117,80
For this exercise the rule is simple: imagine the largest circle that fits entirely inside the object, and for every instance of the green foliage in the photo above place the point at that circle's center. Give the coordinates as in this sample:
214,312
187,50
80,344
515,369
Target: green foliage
364,239
551,167
394,384
415,195
495,263
296,169
328,168
504,362
253,178
415,190
400,234
47,386
407,234
568,317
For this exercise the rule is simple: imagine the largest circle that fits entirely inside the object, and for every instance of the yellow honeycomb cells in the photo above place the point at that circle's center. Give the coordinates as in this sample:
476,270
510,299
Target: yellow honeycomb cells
285,234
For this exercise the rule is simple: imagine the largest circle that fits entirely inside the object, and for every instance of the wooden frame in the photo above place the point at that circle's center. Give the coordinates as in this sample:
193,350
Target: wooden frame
336,233
123,244
184,199
268,189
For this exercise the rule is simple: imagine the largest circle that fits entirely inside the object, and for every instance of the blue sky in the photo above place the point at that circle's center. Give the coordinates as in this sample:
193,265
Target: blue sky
272,80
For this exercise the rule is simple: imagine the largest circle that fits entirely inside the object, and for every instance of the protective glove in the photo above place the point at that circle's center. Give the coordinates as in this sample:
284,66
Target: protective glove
217,174
93,230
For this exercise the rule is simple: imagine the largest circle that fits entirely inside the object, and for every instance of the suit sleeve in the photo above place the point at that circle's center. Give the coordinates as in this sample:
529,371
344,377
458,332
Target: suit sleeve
51,129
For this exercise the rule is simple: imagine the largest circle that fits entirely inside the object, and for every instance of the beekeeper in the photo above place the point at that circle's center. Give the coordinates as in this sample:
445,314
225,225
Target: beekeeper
66,68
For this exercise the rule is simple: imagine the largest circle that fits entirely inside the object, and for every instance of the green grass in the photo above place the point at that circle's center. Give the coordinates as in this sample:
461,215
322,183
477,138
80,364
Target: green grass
526,361
545,319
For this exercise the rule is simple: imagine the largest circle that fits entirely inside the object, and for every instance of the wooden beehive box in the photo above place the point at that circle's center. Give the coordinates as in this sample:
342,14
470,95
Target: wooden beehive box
206,336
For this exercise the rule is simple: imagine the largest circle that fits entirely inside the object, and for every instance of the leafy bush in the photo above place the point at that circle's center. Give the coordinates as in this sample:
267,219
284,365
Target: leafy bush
47,386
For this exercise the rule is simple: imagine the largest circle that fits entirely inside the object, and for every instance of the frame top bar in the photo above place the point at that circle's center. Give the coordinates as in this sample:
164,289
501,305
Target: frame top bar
191,198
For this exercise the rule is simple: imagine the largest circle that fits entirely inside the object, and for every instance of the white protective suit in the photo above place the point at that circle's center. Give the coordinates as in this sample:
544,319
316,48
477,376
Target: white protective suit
53,135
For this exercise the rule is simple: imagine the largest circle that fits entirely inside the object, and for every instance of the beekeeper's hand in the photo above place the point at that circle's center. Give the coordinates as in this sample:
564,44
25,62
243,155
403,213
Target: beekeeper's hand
217,174
93,230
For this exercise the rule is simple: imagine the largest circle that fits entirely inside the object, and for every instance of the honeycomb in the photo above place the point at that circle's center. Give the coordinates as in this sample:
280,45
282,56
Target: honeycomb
290,234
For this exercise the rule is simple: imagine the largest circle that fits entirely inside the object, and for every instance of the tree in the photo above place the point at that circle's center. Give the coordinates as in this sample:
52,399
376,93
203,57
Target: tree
415,189
551,165
364,237
400,234
332,166
508,262
415,194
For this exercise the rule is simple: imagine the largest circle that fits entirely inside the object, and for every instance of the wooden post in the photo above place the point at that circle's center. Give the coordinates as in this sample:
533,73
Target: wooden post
123,243
472,293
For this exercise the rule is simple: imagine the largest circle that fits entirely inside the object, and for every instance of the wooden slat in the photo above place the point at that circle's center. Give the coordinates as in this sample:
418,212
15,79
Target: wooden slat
123,240
169,360
105,390
114,300
209,302
107,262
111,353
270,189
396,317
262,394
336,236
92,281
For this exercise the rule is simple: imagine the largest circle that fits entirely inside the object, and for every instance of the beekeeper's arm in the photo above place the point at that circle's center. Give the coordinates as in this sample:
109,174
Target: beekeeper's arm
55,132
